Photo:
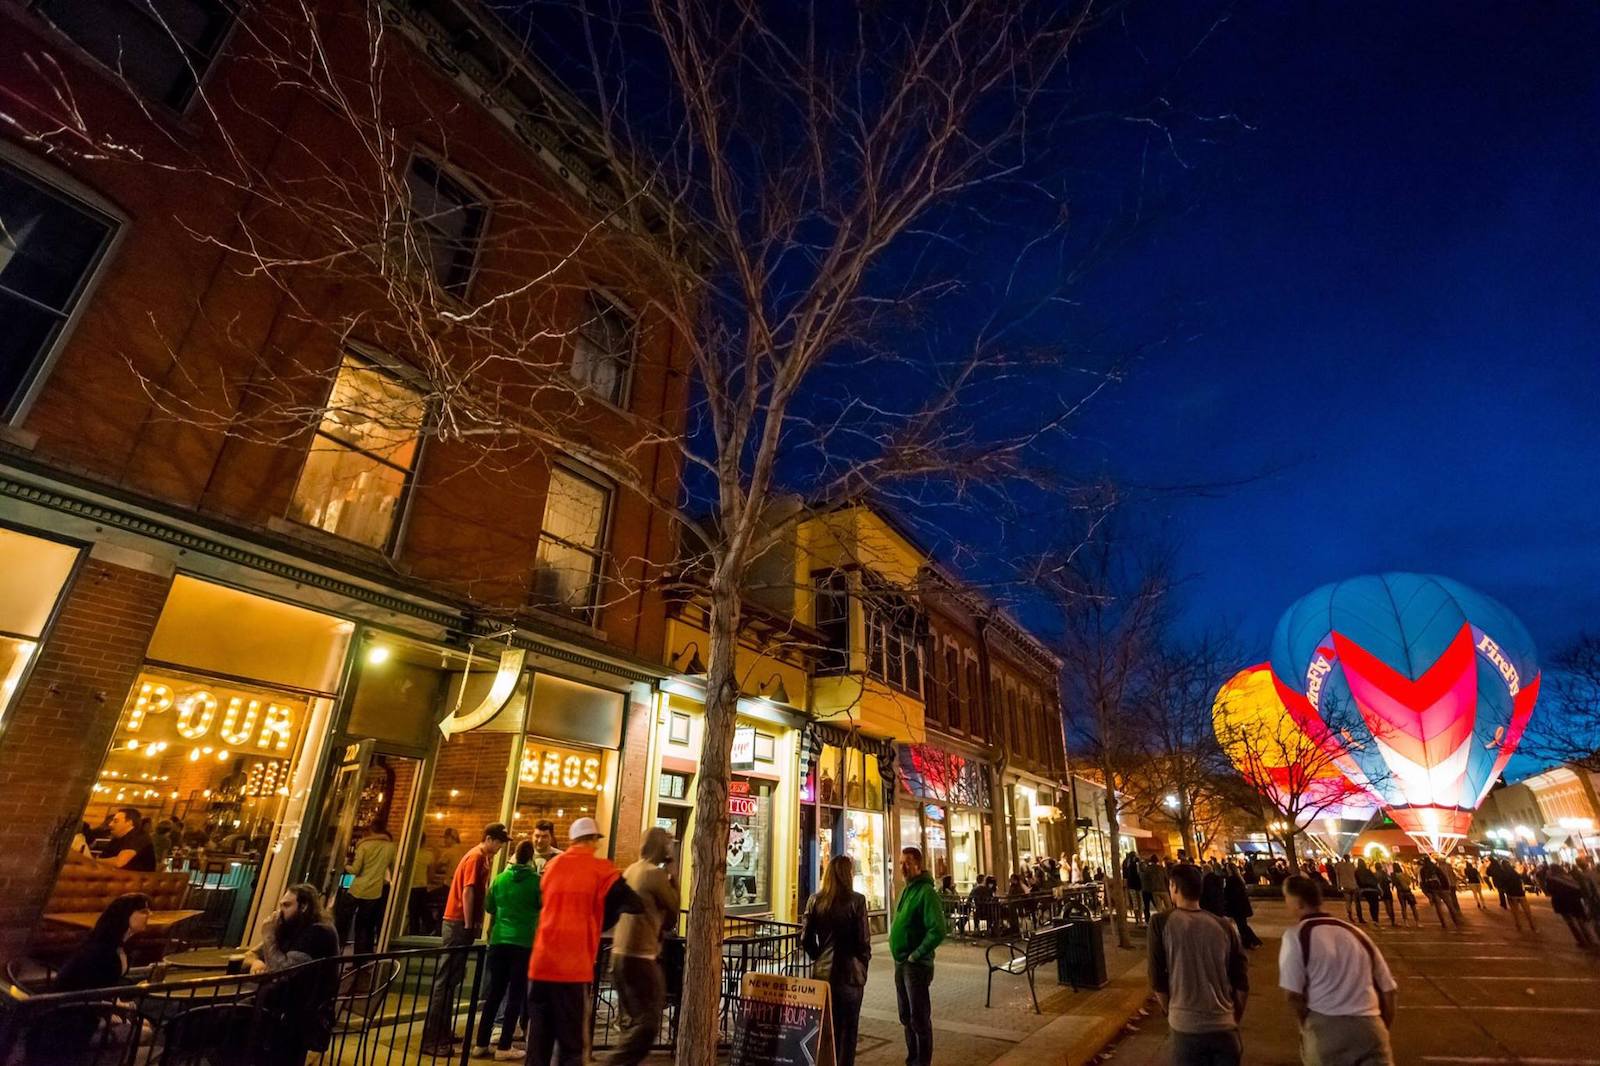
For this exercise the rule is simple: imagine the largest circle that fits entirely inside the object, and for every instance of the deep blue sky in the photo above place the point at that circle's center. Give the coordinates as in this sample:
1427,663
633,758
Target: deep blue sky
1393,281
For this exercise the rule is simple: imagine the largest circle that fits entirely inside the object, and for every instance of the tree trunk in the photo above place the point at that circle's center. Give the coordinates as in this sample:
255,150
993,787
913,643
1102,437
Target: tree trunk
1290,854
1116,897
700,1005
1186,830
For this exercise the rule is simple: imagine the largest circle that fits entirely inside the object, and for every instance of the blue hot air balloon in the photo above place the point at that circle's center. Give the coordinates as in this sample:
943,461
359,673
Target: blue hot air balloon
1424,685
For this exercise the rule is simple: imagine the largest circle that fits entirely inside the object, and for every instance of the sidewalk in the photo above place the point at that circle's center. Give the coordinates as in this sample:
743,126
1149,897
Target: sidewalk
1071,1027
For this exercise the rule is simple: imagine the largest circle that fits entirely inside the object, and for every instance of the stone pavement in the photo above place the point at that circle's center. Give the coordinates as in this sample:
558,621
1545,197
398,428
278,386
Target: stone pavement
967,1033
1486,994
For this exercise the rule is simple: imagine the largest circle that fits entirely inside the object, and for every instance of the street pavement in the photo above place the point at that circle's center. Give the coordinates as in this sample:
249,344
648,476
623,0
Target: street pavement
1486,994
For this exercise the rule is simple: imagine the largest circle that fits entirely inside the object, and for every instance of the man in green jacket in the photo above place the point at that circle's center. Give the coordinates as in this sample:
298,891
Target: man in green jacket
513,905
915,934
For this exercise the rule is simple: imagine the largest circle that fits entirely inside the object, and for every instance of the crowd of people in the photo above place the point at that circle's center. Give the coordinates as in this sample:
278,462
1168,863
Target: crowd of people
1333,972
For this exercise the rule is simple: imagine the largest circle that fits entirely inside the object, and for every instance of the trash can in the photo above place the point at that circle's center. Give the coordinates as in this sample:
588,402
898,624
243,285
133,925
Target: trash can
1081,954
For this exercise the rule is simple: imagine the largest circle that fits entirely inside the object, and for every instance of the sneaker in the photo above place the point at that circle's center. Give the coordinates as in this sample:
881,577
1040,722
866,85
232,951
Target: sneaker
482,1051
510,1055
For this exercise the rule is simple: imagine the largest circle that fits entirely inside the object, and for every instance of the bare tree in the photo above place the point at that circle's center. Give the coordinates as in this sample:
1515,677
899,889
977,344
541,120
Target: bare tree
1179,775
1299,769
1112,603
782,196
1566,728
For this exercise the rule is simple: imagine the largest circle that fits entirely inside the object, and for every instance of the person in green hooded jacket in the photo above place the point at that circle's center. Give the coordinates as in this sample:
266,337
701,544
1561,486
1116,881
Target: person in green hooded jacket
513,904
916,932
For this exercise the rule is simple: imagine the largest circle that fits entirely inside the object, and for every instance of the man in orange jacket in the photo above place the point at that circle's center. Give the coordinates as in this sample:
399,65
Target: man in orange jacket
583,894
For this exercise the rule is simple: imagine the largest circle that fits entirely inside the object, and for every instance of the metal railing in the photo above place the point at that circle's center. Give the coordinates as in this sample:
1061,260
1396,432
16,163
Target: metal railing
749,945
364,1010
1010,916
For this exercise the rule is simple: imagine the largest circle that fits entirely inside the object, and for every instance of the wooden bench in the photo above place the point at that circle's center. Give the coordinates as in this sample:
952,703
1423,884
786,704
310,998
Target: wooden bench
1022,958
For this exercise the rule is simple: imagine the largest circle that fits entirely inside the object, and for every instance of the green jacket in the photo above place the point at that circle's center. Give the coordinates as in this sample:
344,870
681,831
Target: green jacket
514,901
918,926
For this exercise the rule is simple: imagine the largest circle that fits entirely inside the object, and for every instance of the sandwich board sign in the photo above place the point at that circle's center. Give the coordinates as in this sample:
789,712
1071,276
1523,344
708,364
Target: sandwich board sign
783,1021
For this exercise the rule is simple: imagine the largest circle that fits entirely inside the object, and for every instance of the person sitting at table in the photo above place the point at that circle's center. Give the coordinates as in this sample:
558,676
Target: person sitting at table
102,960
300,934
128,848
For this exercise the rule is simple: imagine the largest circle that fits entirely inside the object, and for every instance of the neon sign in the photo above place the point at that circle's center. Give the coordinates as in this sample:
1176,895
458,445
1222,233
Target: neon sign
560,768
246,720
741,804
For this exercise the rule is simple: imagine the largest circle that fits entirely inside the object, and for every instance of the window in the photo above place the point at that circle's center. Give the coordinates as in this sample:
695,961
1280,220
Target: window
893,652
446,223
603,352
952,681
980,725
678,728
49,245
749,874
571,542
833,621
160,47
362,457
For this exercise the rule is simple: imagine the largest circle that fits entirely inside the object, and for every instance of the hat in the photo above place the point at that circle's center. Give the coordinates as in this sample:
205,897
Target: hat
584,827
496,831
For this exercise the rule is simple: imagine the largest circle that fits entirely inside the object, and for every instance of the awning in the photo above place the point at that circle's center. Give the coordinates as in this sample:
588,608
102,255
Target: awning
1134,831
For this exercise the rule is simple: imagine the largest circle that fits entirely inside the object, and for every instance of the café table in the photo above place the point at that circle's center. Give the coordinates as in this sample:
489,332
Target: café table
161,923
202,960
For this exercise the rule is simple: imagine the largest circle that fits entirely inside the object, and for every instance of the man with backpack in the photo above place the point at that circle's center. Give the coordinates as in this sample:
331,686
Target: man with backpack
1338,983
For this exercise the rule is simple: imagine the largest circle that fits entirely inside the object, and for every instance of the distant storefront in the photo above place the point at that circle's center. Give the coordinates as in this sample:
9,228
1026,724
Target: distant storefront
846,794
943,808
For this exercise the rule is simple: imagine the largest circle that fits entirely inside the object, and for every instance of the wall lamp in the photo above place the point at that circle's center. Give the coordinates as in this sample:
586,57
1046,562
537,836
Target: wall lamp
695,665
779,694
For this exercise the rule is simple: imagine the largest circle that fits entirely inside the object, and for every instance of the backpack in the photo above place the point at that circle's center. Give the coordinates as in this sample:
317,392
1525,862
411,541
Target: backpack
1304,934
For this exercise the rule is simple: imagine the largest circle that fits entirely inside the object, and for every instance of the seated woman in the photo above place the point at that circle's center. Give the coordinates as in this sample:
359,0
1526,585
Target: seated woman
102,961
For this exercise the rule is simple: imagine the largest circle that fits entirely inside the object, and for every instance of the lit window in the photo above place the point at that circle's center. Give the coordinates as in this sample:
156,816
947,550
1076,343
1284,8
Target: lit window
893,643
603,351
49,245
571,542
160,47
362,457
447,222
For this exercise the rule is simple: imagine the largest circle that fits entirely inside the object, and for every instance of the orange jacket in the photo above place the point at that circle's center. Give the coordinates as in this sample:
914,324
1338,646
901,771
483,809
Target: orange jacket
573,915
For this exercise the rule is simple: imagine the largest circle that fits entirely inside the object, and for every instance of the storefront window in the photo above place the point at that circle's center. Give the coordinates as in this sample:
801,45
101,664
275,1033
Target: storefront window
829,792
964,843
1022,821
749,881
560,783
864,844
32,575
910,828
937,852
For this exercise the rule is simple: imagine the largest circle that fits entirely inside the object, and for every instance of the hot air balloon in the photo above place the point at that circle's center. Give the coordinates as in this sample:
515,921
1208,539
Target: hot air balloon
1303,774
1428,684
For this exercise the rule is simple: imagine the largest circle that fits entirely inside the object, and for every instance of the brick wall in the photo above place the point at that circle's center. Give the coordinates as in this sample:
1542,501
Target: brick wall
632,781
59,728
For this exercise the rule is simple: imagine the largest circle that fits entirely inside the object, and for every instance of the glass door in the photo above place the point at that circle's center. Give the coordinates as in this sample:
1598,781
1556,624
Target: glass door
331,833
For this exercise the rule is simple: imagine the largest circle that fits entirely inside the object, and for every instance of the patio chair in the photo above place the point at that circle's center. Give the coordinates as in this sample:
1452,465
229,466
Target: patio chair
217,1034
93,1033
30,975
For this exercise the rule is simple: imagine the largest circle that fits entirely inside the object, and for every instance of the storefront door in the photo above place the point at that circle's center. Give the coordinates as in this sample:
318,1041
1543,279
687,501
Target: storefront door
332,832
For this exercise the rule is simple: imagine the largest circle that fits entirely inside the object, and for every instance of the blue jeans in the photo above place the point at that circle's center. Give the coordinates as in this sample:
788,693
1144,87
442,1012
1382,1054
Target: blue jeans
911,983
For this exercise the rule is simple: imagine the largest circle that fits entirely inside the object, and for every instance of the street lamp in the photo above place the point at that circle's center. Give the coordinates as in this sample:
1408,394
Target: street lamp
1172,801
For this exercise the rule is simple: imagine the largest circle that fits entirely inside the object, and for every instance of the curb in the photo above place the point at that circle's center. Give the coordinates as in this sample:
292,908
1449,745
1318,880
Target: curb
1074,1039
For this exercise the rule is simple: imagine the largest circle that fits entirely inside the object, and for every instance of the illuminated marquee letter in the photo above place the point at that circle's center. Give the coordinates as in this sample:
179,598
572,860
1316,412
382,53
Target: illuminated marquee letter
201,702
550,774
153,699
277,724
234,733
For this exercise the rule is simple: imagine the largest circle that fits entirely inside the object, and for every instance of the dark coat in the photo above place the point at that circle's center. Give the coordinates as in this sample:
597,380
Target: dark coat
838,941
1235,898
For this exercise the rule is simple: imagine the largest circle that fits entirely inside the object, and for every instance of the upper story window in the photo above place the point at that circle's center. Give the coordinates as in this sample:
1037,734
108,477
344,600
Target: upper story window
49,247
571,542
894,653
832,620
602,357
957,716
359,468
447,223
975,701
162,48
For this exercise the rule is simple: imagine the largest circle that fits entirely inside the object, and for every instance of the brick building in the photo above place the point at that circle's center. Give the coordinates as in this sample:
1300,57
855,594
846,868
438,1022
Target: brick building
247,565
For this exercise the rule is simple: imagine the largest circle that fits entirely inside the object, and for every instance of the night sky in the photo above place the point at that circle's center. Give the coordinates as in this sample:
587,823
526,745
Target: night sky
1388,278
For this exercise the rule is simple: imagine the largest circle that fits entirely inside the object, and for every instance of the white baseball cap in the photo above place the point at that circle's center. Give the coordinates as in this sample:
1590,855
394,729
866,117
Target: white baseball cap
584,827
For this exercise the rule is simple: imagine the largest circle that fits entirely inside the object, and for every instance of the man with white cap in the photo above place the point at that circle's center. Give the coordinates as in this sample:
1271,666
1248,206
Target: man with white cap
583,894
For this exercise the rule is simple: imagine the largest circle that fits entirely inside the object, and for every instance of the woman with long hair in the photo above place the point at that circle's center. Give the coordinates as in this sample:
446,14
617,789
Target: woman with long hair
839,943
102,960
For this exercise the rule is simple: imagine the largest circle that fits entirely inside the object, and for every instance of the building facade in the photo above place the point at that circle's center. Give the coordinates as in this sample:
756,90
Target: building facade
267,642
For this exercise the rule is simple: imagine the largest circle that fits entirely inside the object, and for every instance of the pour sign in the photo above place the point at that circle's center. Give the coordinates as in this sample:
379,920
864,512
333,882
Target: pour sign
198,711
